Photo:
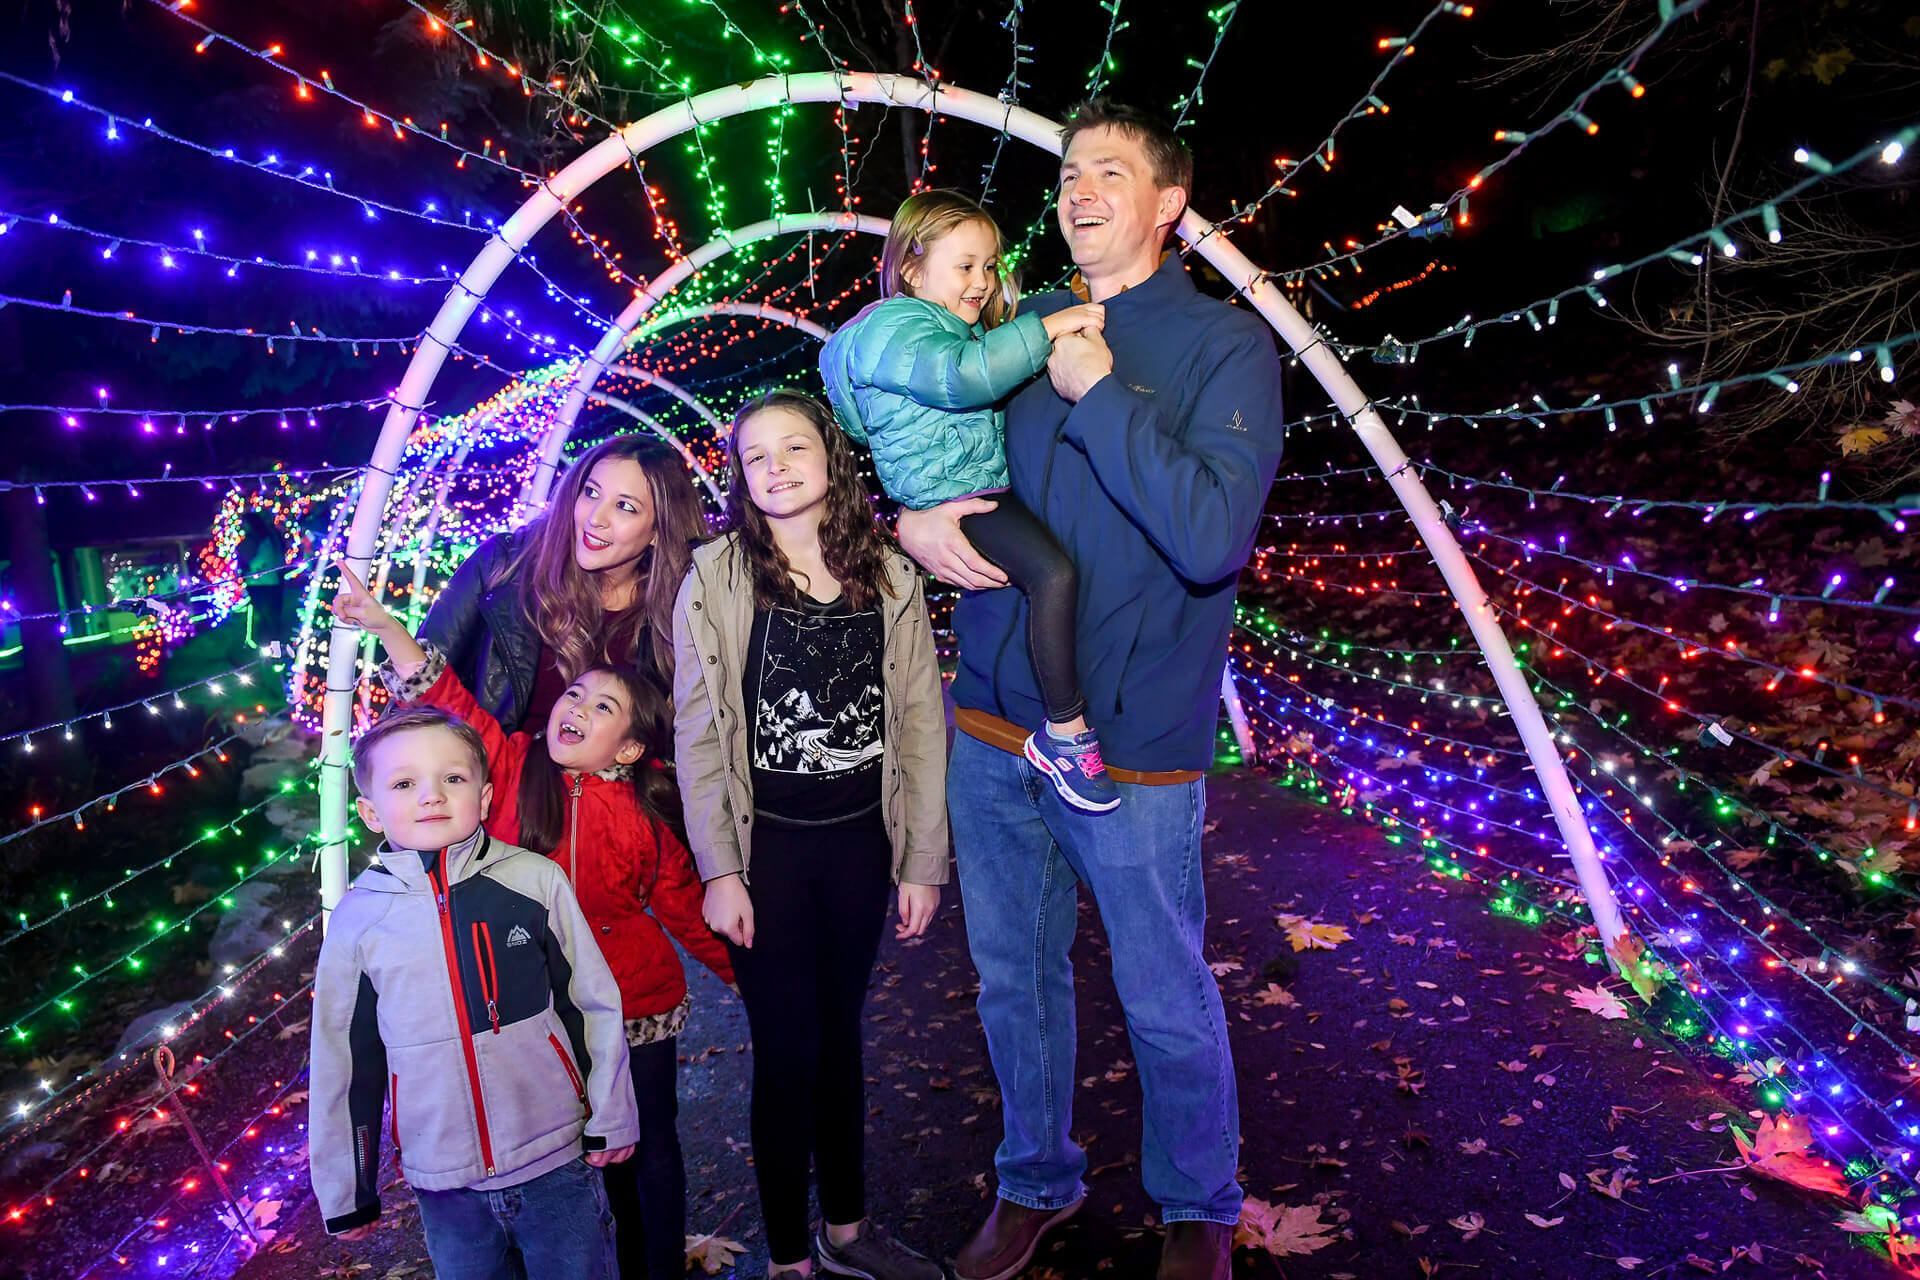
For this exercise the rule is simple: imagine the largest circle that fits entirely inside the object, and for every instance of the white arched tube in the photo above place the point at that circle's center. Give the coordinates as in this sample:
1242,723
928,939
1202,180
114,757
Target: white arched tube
845,87
620,330
748,310
659,429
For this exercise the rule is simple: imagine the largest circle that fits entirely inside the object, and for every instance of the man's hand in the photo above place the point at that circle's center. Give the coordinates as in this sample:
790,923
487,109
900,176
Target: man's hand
918,902
601,1159
1078,361
933,538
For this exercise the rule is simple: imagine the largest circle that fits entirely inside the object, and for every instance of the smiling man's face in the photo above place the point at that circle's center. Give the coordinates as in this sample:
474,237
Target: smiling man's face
1111,210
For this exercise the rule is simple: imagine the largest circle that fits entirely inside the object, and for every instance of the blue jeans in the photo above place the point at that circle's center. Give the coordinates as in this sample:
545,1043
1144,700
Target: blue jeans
1022,856
556,1227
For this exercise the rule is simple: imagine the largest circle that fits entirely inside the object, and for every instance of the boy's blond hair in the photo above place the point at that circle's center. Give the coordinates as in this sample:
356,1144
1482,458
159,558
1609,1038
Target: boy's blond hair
922,219
400,720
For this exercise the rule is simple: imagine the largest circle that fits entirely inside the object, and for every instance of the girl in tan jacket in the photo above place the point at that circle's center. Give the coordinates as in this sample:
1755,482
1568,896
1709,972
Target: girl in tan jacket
811,744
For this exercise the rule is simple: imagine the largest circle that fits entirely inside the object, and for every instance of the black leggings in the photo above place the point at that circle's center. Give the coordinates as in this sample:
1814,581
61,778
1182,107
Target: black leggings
819,901
648,1191
1032,558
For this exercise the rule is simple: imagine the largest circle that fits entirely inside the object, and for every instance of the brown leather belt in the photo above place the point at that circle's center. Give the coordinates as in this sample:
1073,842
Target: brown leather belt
1011,738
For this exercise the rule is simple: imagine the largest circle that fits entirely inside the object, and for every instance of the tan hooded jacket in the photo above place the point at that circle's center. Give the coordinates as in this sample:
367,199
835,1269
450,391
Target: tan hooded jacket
713,619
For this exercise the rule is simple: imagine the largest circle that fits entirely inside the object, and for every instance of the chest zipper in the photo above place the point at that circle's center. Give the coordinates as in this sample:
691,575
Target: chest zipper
573,833
489,973
438,881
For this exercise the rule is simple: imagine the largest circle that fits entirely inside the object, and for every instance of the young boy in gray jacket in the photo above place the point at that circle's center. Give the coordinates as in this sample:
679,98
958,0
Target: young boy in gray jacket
459,982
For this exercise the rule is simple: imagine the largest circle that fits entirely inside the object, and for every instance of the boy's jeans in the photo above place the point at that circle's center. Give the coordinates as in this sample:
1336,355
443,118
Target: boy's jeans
1022,854
559,1223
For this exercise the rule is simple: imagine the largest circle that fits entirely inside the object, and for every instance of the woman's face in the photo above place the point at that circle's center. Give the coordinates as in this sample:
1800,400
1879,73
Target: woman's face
613,516
785,462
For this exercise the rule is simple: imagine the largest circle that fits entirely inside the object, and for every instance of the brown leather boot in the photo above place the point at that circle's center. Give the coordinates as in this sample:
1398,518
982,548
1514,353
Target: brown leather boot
1004,1244
1197,1251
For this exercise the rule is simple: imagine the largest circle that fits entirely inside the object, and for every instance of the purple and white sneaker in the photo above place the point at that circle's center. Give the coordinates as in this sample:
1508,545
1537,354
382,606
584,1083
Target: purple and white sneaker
1074,766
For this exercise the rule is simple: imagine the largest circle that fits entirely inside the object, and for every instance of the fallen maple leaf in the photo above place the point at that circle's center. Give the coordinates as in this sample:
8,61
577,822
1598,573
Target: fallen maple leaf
1474,1148
1468,1225
1779,1149
713,1253
1642,973
1595,1001
1221,968
1904,418
1282,1230
1628,1263
1862,439
1876,1221
1274,994
1541,1222
1312,935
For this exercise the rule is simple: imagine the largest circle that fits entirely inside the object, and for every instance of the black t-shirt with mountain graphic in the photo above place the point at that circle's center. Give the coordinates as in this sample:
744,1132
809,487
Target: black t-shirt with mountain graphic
812,691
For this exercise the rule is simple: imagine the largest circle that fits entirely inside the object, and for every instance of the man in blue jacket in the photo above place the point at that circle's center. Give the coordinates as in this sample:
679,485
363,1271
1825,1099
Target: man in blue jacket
1149,453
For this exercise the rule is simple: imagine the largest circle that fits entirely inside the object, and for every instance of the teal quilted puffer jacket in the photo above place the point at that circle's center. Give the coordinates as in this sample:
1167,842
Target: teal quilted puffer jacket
922,388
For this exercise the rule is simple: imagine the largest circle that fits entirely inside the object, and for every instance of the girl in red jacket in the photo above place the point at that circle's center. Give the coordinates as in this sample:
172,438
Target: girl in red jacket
595,793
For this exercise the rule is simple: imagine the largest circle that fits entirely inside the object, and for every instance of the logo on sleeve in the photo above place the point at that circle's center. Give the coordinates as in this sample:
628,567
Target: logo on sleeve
1237,424
518,936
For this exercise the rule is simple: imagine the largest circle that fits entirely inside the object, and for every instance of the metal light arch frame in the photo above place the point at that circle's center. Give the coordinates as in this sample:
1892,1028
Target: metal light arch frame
624,147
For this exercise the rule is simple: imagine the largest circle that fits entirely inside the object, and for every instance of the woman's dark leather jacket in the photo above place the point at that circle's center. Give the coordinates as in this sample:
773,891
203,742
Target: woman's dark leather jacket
488,638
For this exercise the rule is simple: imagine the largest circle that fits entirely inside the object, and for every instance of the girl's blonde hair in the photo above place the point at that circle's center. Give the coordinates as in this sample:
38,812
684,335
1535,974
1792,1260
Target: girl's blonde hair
922,219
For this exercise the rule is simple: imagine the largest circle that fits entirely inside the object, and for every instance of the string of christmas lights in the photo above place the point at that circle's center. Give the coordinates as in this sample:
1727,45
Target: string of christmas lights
1222,19
241,673
150,784
293,333
1572,114
402,127
270,165
1690,250
70,904
233,1230
43,1196
33,1113
1625,566
17,1029
170,255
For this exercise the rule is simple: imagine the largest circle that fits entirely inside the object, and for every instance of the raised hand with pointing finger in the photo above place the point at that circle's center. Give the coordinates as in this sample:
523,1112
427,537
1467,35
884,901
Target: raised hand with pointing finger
356,606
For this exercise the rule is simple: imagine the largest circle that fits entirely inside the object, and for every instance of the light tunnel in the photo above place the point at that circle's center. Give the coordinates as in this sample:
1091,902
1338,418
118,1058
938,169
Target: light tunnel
621,149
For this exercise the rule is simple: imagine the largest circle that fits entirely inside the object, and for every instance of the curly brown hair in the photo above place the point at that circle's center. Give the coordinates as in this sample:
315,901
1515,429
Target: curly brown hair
852,542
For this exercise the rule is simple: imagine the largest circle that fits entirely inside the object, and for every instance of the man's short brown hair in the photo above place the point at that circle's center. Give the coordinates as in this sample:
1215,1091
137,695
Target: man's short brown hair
400,720
1171,159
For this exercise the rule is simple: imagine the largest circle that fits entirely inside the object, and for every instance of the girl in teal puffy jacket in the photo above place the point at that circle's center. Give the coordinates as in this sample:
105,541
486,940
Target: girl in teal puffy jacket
919,377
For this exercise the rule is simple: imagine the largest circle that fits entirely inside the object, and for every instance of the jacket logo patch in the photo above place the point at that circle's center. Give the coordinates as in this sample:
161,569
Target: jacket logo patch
1237,424
518,936
1134,386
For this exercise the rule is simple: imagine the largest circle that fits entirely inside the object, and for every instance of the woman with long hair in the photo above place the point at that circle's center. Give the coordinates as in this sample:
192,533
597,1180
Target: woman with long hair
590,581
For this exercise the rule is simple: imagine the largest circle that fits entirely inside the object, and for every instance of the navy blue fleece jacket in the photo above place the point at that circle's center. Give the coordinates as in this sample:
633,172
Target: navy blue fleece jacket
1154,483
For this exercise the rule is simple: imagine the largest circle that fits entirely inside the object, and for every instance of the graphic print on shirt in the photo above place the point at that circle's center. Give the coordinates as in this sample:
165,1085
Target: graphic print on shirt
817,701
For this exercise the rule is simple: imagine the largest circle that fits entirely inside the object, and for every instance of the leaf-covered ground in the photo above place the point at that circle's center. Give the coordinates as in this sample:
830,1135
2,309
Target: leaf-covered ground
1426,1089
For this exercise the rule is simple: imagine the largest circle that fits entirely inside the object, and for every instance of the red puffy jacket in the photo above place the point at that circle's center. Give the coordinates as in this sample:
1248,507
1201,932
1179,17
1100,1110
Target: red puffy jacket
620,869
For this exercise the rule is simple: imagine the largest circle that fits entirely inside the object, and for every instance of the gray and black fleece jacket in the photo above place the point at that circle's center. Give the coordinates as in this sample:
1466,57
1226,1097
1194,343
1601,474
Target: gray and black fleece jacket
465,988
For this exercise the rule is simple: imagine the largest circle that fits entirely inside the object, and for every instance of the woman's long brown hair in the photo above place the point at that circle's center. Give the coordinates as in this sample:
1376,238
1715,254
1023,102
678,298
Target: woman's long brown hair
563,600
543,784
852,543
